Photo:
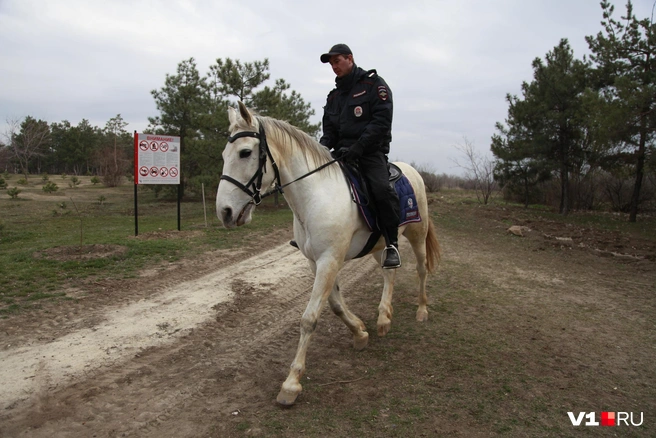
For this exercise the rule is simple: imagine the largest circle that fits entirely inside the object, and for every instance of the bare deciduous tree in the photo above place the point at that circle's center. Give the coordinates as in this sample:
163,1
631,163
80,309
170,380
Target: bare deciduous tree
5,156
111,165
479,168
26,140
114,128
432,181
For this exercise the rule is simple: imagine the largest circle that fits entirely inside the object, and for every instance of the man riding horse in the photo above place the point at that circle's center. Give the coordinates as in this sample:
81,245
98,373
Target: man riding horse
357,125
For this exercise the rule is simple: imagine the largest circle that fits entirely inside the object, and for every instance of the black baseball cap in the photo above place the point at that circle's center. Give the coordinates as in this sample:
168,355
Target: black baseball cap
337,49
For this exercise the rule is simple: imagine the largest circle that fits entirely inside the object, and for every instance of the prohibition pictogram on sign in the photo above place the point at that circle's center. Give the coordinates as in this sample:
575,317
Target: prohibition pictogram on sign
155,157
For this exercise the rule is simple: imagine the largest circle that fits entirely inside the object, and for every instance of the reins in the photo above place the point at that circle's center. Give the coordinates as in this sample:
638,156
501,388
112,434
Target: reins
256,180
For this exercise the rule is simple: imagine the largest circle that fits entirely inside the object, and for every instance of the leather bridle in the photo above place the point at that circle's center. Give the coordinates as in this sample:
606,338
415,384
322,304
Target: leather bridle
254,186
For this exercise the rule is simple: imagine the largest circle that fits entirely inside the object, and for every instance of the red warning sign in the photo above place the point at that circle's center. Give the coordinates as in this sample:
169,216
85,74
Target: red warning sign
156,159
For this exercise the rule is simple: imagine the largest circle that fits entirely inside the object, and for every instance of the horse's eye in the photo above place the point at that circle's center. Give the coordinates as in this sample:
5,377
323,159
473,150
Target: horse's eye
245,153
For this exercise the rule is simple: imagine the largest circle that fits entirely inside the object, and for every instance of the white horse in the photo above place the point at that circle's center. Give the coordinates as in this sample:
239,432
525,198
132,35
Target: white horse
328,228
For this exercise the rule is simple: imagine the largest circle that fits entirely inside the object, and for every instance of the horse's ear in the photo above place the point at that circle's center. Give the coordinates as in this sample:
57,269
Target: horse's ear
245,114
232,115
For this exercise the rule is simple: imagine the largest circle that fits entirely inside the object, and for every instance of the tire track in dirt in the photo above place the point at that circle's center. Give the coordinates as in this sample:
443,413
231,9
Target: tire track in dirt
191,345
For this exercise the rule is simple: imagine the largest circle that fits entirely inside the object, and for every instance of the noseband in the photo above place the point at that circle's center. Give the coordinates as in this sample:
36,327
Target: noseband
254,186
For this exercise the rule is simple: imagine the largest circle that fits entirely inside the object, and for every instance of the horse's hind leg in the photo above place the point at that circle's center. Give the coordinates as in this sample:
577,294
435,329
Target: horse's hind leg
385,309
355,324
419,248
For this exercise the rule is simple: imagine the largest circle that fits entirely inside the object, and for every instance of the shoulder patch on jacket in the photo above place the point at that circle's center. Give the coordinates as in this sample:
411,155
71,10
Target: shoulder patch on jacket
383,94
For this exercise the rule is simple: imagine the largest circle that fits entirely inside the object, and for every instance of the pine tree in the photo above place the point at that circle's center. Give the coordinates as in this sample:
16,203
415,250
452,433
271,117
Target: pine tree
195,108
624,54
545,132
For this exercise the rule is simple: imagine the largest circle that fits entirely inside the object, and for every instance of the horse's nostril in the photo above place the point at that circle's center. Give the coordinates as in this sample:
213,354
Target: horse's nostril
226,213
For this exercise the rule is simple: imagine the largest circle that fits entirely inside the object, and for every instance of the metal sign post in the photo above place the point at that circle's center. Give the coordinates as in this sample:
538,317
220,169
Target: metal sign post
156,161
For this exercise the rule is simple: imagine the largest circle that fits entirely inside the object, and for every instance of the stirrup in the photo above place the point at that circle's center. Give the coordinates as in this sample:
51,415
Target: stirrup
392,259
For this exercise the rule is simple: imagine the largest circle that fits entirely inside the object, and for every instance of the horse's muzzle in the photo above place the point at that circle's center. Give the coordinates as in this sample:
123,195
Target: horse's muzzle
227,216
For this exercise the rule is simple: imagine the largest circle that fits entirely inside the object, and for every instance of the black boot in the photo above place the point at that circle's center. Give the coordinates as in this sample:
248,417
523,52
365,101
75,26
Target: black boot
392,257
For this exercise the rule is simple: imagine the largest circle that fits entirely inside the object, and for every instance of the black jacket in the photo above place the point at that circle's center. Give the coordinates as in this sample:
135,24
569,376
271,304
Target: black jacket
358,113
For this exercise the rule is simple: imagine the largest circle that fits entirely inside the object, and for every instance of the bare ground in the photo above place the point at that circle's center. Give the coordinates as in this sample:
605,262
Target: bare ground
200,347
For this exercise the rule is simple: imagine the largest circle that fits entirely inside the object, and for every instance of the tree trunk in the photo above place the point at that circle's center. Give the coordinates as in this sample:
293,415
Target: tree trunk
24,168
526,189
115,156
564,191
640,171
564,173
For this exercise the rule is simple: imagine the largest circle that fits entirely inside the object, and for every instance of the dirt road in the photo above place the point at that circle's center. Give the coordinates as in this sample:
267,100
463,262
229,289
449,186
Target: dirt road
521,331
84,382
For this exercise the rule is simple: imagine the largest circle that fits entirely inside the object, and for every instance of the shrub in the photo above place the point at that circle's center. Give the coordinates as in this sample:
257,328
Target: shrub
62,210
432,182
64,176
50,187
101,199
95,180
13,193
74,182
22,181
3,183
45,178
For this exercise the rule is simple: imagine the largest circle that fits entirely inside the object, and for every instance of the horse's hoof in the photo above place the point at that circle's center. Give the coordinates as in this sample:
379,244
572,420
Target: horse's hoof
422,315
287,398
361,342
383,329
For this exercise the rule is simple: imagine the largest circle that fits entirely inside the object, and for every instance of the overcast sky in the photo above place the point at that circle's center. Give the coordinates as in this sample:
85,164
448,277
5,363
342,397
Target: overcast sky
449,63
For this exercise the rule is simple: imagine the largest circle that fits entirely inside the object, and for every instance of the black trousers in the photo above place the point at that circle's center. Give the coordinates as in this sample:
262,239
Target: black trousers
386,203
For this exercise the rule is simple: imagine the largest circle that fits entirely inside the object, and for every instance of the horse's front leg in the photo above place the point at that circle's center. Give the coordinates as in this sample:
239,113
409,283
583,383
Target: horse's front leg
385,309
325,276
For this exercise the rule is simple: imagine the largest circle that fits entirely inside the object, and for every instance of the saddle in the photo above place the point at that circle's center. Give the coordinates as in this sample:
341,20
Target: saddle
361,196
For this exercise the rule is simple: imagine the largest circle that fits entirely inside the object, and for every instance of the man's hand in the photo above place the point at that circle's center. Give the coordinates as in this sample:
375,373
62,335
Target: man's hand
349,154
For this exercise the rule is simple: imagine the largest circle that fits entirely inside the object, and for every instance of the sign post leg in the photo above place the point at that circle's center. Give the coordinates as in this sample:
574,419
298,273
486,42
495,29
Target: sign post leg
136,213
136,179
179,198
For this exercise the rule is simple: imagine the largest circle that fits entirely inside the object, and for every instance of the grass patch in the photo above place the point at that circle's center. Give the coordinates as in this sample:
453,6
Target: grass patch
30,230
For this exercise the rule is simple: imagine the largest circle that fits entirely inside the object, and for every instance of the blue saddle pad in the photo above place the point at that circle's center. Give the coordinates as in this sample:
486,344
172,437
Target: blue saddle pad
405,192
